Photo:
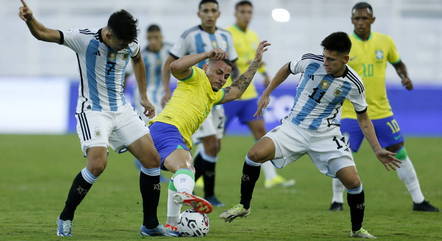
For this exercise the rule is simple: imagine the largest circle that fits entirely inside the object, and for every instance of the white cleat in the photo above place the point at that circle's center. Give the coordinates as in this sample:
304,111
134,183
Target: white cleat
361,233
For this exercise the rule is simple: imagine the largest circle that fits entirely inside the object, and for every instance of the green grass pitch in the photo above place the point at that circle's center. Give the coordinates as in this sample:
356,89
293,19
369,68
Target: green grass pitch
36,173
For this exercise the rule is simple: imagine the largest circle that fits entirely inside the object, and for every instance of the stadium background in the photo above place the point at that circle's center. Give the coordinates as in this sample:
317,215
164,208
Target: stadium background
39,80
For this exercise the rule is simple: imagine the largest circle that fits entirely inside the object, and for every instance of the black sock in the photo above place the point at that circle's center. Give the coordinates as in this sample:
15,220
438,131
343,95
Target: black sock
209,178
357,207
250,175
77,192
150,191
198,164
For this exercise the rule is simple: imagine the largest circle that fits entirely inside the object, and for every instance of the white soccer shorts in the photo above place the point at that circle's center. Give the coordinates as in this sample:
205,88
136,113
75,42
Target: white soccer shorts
213,125
116,129
328,150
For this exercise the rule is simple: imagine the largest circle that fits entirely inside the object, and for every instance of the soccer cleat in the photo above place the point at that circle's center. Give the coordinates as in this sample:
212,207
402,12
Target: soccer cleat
172,230
335,206
237,211
214,201
279,180
198,204
158,231
64,228
425,206
199,183
361,233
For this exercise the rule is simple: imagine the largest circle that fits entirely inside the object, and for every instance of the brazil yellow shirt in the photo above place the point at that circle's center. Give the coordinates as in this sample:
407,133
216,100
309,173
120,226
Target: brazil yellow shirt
191,102
245,44
369,59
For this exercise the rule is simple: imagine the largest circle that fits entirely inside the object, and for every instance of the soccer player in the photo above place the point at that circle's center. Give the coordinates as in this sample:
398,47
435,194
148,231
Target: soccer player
104,117
369,56
198,90
312,127
199,39
245,41
154,55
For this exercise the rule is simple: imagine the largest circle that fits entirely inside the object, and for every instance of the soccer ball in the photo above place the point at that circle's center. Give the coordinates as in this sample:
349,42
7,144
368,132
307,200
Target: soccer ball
193,224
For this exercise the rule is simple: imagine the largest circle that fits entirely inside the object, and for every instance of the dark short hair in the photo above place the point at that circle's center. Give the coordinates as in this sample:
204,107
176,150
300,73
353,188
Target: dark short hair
243,3
338,41
207,1
226,61
153,28
123,25
362,5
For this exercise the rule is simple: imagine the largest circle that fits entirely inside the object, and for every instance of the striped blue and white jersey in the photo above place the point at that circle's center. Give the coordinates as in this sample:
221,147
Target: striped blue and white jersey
101,70
195,40
153,62
319,95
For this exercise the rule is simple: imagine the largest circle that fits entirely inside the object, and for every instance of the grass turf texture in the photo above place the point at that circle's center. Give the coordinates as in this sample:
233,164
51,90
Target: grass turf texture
36,173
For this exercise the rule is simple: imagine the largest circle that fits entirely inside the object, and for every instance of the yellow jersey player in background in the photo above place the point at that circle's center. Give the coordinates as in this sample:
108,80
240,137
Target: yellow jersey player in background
369,55
245,42
198,90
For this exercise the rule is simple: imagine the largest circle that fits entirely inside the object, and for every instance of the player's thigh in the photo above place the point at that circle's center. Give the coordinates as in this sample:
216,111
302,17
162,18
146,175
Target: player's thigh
288,145
353,133
330,152
129,128
93,129
144,150
178,159
257,127
231,110
388,131
255,123
349,177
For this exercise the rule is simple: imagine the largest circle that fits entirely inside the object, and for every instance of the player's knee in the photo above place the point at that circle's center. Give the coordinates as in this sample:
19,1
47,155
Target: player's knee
255,155
353,184
97,168
212,147
152,160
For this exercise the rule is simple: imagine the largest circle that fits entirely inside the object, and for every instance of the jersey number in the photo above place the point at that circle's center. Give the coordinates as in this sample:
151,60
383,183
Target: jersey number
110,67
339,142
317,95
367,70
394,126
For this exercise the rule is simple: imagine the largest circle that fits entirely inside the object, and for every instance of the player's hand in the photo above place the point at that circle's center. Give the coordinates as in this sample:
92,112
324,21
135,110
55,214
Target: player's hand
149,109
166,98
262,47
406,82
262,104
25,12
217,54
388,159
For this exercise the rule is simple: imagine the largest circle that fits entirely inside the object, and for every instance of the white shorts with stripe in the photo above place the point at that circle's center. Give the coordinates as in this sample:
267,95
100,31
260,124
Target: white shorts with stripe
328,150
212,126
117,129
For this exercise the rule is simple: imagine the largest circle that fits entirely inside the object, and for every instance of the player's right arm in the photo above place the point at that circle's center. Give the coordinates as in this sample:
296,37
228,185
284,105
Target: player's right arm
37,29
280,77
182,67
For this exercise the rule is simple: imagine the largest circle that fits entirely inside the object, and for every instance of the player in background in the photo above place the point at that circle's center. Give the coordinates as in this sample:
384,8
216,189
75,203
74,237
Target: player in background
200,39
104,118
245,41
369,56
312,127
154,55
198,90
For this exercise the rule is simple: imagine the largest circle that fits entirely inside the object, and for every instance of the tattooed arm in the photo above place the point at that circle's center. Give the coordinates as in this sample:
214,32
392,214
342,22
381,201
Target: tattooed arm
240,85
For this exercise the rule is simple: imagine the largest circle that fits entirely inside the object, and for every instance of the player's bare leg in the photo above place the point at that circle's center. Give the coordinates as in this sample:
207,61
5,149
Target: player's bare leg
181,186
356,200
257,127
408,176
262,151
96,163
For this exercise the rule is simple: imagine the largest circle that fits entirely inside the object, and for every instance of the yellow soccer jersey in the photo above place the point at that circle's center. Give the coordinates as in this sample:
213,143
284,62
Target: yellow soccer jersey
190,104
369,59
245,45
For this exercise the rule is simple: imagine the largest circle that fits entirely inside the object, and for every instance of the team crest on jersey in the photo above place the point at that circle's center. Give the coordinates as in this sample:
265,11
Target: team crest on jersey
338,92
214,44
379,54
112,56
324,84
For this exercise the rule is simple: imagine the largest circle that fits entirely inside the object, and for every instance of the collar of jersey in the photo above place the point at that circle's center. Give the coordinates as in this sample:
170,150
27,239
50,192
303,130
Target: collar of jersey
358,38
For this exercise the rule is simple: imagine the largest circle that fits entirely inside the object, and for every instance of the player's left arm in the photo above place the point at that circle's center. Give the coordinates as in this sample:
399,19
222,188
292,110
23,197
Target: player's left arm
240,85
140,76
401,70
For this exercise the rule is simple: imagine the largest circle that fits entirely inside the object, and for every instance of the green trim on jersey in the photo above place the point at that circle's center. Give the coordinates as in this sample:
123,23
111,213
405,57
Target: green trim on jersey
222,98
397,62
358,38
188,77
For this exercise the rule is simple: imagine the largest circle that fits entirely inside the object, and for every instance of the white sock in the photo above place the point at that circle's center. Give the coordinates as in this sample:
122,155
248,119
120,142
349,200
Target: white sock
408,175
269,170
338,191
173,209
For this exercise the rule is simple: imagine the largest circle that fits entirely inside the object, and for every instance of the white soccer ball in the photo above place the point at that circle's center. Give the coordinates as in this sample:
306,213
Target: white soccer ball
193,224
